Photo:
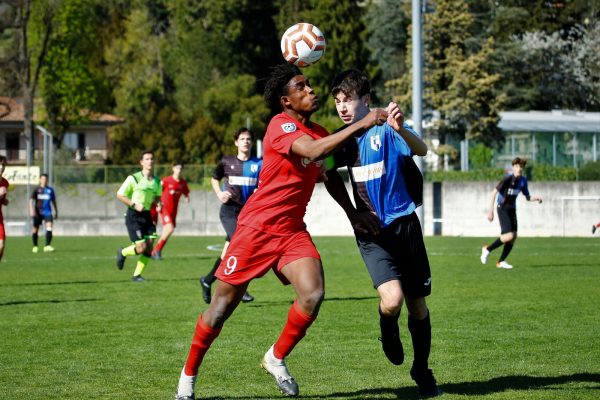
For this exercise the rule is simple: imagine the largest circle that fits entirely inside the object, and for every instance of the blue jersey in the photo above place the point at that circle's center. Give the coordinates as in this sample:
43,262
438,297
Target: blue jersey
240,178
509,188
375,161
43,198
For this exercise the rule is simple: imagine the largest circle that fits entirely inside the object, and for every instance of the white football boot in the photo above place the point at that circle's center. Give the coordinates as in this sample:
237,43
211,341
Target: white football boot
484,254
503,265
276,367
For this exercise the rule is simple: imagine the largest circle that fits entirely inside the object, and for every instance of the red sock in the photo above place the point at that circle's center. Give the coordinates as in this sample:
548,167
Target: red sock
293,331
161,243
204,335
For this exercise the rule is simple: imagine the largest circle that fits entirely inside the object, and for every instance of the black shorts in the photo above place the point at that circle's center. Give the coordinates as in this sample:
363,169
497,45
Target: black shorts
229,215
38,219
508,219
139,225
398,253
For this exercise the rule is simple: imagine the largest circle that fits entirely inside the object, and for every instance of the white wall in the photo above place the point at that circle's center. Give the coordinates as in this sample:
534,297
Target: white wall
93,210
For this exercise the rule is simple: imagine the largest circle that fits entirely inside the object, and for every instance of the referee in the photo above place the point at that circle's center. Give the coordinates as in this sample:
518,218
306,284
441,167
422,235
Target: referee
139,193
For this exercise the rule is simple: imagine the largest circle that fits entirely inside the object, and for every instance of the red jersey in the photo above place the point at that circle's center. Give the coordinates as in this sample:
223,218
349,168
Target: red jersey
286,180
171,192
4,184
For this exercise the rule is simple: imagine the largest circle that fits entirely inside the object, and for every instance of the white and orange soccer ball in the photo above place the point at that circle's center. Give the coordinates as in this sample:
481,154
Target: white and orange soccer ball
303,44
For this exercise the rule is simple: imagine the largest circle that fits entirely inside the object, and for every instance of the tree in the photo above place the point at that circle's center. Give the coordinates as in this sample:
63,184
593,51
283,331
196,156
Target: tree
387,22
341,21
33,26
72,81
460,90
226,107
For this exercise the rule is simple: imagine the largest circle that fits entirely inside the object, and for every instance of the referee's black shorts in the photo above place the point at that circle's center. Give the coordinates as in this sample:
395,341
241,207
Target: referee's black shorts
508,219
398,253
229,215
139,224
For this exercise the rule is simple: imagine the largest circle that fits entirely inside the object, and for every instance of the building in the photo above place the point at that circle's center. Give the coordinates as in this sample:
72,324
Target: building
89,142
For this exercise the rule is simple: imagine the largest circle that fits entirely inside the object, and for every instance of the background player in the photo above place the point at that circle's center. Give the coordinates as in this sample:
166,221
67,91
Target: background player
173,187
507,191
41,203
139,192
271,233
3,201
240,176
388,231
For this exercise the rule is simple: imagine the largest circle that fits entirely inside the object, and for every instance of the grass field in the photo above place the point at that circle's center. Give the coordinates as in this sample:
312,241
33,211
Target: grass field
74,327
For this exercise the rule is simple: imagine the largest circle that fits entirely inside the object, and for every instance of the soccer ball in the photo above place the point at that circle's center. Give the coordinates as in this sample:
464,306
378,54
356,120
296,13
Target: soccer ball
302,44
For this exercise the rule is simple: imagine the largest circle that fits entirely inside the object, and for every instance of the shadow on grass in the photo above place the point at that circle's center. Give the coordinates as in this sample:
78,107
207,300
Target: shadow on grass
16,303
478,388
516,382
127,280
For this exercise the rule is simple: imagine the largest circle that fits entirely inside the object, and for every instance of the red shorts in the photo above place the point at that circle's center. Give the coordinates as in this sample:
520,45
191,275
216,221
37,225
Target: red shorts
252,253
2,231
167,218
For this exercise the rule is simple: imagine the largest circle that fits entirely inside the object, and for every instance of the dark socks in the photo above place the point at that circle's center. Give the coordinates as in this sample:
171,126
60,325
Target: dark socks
495,245
34,237
390,338
420,331
210,277
48,238
505,251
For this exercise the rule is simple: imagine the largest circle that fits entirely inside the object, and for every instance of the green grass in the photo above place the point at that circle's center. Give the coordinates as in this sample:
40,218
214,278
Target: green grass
74,327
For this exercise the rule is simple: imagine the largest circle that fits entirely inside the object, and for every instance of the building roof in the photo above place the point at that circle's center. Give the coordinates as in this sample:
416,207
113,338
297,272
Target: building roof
12,110
549,121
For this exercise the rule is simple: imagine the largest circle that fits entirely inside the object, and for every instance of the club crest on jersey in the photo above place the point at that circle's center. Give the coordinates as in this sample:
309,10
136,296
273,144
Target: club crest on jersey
289,127
306,162
254,167
375,142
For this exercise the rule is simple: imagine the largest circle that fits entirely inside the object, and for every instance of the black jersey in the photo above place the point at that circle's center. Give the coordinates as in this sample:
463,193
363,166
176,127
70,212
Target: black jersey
240,178
509,188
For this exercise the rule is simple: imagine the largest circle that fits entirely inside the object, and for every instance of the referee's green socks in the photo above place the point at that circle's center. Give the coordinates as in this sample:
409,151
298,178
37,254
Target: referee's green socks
129,251
141,264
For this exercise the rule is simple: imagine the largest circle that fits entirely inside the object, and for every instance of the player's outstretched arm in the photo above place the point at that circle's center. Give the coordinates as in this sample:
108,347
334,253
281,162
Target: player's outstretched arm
396,120
306,146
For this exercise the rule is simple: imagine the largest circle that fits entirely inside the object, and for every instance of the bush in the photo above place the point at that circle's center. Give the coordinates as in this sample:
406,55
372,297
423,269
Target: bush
551,173
477,175
590,172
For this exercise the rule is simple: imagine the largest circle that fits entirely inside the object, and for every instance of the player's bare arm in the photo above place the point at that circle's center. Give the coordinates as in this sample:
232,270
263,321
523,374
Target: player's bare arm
223,196
396,120
535,198
31,208
306,146
362,222
490,215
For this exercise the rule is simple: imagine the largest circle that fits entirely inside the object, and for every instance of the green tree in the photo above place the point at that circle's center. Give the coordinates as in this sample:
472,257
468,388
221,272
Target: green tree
341,21
226,107
460,92
72,80
387,22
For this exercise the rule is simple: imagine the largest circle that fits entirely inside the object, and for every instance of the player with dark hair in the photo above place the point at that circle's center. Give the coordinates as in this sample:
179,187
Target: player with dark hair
173,187
507,191
41,203
240,176
139,193
271,233
3,202
388,231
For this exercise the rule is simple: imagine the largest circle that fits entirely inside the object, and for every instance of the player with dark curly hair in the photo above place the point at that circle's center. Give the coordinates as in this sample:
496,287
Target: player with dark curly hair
271,233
